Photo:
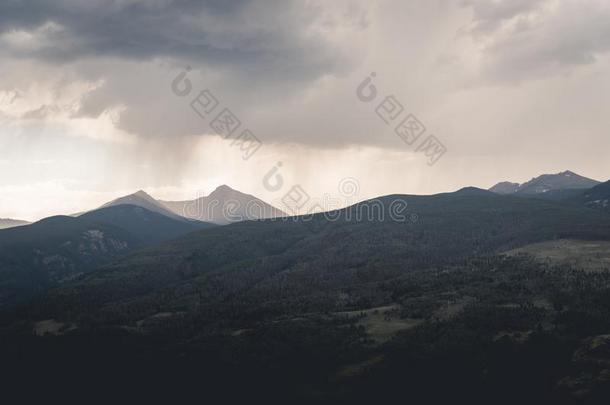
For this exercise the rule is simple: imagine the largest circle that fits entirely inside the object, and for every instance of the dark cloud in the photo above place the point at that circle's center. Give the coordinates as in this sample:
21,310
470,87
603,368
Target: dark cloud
289,69
272,36
251,53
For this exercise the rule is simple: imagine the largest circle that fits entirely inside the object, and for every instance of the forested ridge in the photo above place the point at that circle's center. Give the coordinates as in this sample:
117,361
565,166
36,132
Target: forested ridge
339,310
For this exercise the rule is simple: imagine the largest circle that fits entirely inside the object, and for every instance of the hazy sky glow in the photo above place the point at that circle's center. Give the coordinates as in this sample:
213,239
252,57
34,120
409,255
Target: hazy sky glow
513,88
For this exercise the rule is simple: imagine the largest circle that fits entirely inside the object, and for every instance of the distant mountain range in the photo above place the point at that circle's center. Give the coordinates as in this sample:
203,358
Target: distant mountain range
6,223
37,256
546,183
224,206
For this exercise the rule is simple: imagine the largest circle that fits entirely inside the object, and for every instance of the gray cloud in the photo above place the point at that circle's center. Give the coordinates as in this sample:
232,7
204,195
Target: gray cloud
289,69
274,37
525,39
251,53
488,15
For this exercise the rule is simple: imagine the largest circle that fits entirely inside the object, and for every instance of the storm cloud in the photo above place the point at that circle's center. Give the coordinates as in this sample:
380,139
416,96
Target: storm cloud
283,39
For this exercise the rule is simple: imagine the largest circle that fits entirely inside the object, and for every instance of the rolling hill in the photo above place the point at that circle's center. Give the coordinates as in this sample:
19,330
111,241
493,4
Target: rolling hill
274,264
149,227
48,252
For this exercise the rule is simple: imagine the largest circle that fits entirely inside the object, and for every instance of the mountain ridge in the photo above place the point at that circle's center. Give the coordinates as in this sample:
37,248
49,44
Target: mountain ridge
6,223
314,253
37,256
566,180
597,197
142,199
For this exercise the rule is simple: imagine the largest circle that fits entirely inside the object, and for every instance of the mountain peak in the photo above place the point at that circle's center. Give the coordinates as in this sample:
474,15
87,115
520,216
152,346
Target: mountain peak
224,187
547,182
142,194
223,206
472,191
223,190
505,187
142,199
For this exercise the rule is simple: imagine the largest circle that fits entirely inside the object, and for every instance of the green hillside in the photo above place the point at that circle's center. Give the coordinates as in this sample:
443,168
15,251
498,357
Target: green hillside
53,250
294,265
336,309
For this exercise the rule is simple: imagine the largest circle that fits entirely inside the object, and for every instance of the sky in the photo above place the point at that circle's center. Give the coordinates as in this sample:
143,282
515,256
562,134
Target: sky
101,98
